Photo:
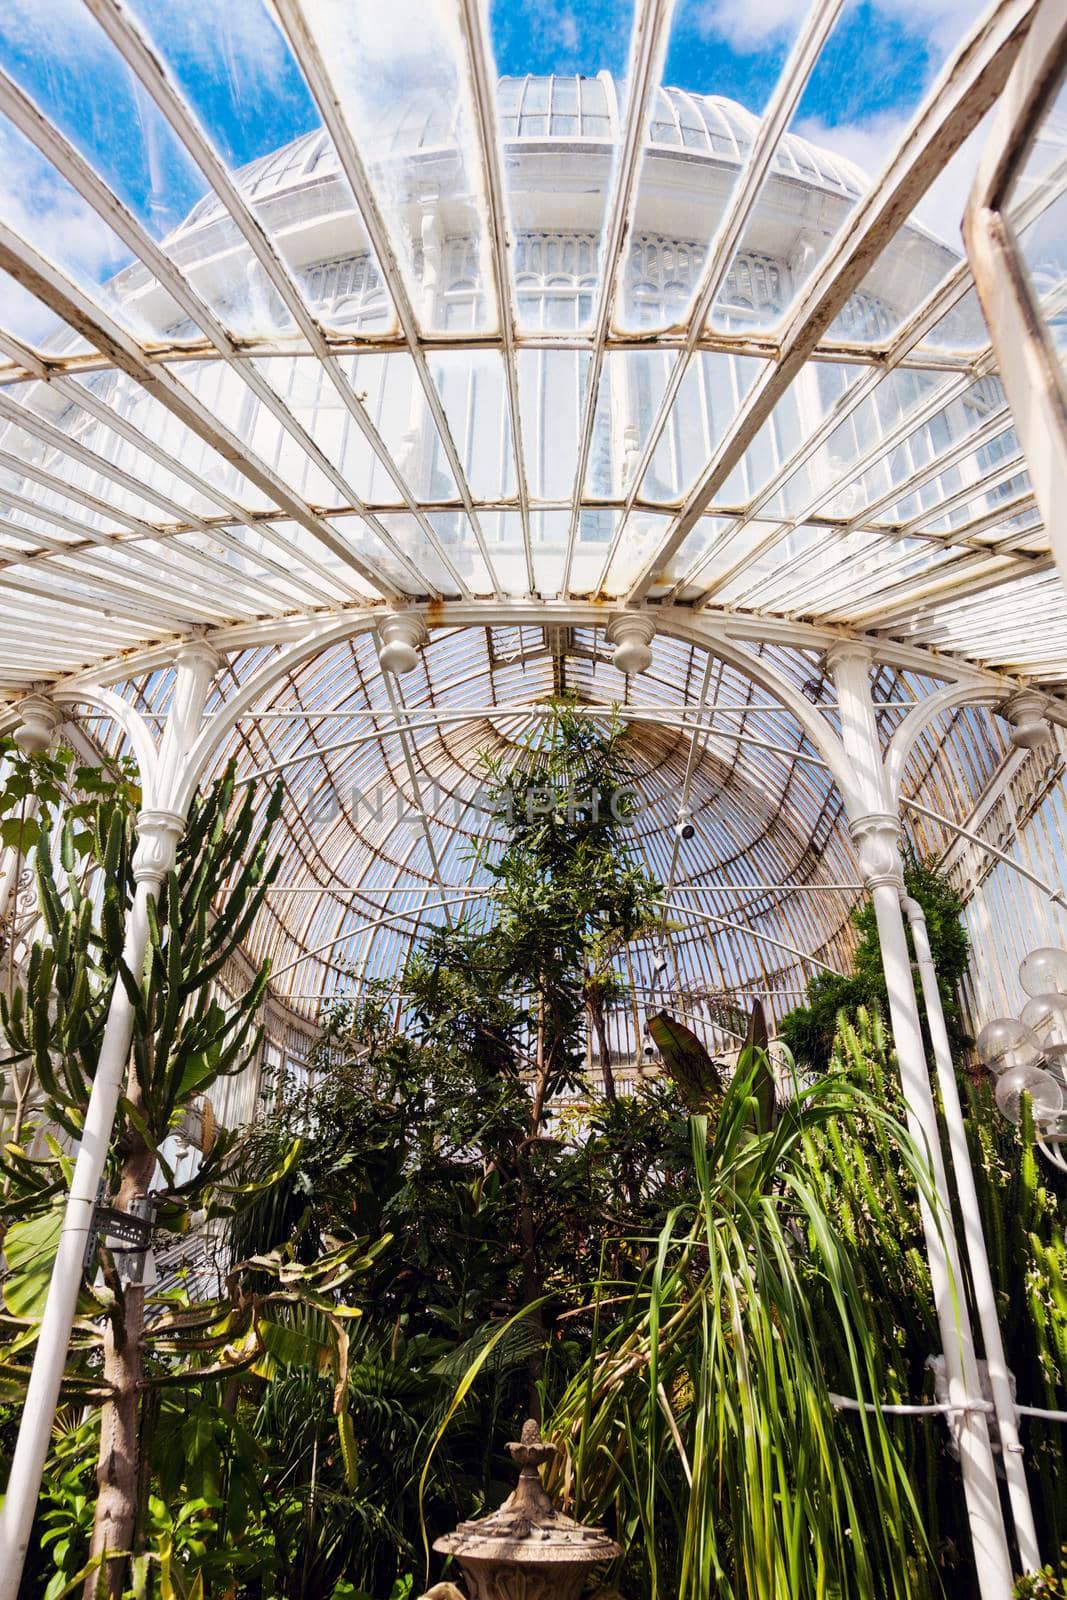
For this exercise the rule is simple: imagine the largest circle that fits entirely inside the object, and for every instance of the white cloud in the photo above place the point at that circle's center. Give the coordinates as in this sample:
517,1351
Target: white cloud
747,26
38,205
942,22
751,25
231,37
238,40
63,34
868,143
871,143
555,26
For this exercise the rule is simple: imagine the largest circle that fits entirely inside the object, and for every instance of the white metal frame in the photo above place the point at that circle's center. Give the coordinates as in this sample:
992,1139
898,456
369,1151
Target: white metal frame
1030,369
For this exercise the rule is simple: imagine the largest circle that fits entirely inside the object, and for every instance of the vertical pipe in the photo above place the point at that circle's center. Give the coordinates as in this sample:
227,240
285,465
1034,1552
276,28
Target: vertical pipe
991,1554
876,831
14,859
158,833
977,1255
50,1356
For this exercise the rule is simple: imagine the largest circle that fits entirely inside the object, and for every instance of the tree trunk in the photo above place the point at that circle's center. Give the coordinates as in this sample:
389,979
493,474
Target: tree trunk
118,1476
531,1267
531,1281
595,1007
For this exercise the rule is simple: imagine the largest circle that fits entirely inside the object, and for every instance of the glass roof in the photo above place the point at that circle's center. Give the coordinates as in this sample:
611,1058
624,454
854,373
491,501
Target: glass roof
314,308
483,335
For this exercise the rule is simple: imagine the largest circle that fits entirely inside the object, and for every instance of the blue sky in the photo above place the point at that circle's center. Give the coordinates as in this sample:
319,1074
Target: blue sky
875,60
237,71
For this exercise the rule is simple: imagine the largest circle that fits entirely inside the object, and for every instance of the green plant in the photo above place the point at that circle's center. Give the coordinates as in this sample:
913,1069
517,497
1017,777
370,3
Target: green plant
702,1418
185,1037
513,997
432,1223
859,1177
38,790
1050,1583
809,1031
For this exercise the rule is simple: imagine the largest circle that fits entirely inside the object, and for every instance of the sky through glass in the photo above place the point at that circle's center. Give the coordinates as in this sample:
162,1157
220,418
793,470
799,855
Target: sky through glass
236,70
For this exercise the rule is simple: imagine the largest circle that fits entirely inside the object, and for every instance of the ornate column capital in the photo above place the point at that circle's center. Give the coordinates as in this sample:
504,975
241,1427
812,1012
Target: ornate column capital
848,652
876,836
38,720
158,833
1025,710
631,632
198,650
402,635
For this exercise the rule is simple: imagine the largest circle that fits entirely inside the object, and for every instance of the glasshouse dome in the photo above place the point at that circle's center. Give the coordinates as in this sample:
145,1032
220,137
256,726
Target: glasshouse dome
533,799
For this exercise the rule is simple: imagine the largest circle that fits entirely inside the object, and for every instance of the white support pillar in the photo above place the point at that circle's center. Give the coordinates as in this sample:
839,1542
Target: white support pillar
977,1255
159,828
875,828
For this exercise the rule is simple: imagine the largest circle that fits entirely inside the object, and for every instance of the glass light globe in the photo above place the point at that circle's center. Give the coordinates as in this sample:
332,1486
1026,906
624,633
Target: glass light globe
1044,971
1046,1096
1046,1017
1005,1043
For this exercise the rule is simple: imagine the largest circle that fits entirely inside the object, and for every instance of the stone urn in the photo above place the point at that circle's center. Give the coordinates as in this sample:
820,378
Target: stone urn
527,1550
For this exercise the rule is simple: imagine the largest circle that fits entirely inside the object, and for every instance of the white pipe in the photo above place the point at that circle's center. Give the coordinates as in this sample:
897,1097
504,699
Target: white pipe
985,1513
14,859
343,886
974,1239
1056,895
841,1402
50,1356
363,927
158,831
752,933
875,828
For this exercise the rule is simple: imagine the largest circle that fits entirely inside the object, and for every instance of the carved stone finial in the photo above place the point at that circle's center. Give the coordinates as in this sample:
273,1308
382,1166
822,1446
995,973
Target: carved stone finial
532,1451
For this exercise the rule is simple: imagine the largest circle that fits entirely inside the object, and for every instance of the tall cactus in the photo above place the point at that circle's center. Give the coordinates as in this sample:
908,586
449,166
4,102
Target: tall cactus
184,1038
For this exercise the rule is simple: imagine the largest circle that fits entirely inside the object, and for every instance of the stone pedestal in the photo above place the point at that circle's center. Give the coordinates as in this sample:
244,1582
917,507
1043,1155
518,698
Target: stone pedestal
527,1550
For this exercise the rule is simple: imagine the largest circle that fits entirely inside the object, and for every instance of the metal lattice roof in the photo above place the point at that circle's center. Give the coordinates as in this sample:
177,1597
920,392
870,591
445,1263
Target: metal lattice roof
473,338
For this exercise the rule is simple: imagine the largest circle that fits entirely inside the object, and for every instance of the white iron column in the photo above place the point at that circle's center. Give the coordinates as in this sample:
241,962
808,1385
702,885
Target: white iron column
977,1255
159,829
876,832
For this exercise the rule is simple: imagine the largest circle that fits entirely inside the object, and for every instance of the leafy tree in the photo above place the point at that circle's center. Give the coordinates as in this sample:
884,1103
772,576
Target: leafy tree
684,1275
512,998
